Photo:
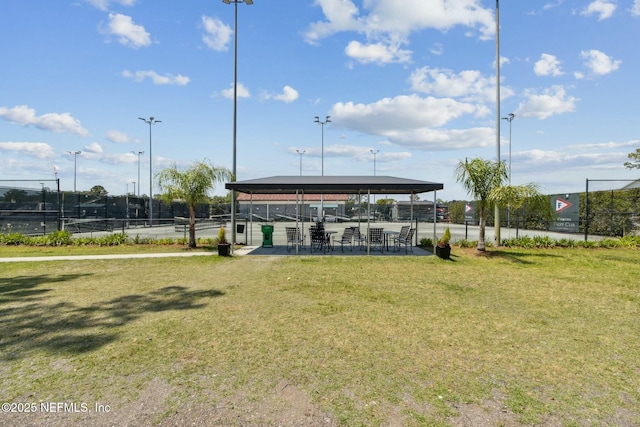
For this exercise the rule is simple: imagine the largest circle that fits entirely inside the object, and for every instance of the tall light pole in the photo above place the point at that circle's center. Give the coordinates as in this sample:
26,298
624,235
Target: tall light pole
75,170
235,111
151,121
75,166
139,153
509,118
374,152
301,152
326,120
497,209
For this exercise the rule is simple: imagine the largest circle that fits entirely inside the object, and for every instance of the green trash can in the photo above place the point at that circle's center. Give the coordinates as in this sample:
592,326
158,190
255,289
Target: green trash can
267,236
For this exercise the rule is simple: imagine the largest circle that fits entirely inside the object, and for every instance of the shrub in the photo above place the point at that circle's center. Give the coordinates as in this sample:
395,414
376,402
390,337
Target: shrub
426,243
37,241
13,239
609,243
446,237
543,242
630,241
464,243
206,241
164,241
115,239
222,235
59,238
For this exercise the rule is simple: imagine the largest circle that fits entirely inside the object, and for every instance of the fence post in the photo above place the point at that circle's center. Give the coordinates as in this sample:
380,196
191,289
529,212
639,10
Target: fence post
586,212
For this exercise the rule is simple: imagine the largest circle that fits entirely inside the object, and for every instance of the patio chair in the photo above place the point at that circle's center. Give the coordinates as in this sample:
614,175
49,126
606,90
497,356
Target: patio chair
358,238
318,238
403,235
376,238
345,239
407,241
294,237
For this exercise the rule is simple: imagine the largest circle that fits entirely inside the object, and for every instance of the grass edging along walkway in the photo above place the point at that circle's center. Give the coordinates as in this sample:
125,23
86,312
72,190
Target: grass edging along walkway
532,337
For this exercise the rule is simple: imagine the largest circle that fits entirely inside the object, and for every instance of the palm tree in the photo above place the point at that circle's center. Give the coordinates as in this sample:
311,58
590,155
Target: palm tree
516,196
192,187
479,177
483,180
635,160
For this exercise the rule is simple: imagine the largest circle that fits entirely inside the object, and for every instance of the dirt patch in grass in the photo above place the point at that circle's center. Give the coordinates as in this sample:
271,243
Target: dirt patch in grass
287,406
491,412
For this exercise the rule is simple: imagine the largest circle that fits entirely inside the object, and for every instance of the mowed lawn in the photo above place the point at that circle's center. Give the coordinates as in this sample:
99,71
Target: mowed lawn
510,337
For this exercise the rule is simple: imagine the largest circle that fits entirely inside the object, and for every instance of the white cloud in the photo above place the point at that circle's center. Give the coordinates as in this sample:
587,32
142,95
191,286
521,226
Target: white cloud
468,85
603,8
388,17
446,139
377,52
387,23
217,35
550,102
552,5
118,137
128,33
635,9
243,92
355,152
167,79
54,122
94,147
104,4
599,63
118,158
39,150
547,65
437,49
605,145
443,82
410,121
288,95
341,16
402,112
550,159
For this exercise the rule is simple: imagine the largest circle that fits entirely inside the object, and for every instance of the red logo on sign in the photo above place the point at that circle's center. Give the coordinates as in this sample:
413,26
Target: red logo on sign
562,204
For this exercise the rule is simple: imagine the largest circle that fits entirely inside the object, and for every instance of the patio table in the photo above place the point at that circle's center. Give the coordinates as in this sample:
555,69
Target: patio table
387,234
328,234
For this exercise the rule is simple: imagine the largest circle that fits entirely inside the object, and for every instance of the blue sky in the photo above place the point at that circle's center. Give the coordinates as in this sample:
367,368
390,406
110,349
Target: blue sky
414,79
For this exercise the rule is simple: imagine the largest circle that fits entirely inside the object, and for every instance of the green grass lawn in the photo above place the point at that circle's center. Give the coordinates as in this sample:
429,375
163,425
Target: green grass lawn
35,251
552,335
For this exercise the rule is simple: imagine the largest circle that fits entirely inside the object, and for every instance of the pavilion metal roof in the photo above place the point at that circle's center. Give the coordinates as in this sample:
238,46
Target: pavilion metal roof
334,185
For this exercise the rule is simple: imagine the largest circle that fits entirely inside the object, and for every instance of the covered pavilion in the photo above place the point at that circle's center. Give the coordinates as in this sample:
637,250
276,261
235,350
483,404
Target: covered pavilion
301,185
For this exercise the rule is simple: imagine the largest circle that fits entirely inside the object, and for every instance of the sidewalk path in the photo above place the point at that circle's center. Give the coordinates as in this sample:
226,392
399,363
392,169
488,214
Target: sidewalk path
238,252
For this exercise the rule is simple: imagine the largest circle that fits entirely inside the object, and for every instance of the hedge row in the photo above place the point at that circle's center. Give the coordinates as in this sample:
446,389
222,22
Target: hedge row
65,238
547,242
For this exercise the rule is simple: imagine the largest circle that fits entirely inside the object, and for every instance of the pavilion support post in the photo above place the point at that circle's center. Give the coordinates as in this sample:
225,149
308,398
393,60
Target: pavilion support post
435,215
251,218
368,221
297,222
